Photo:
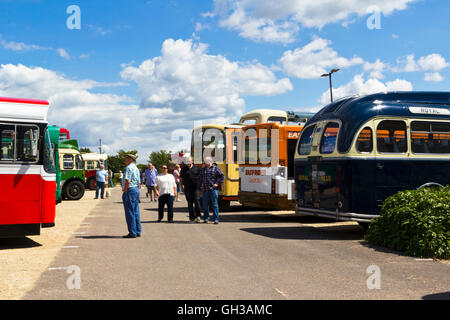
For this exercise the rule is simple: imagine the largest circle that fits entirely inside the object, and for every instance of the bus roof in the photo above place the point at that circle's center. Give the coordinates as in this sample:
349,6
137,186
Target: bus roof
354,111
28,110
262,115
69,144
94,156
220,126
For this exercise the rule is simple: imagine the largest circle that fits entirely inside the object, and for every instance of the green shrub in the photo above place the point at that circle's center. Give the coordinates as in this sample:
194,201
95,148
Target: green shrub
416,222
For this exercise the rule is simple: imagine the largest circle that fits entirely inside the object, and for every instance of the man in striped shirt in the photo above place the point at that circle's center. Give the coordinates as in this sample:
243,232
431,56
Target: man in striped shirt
211,178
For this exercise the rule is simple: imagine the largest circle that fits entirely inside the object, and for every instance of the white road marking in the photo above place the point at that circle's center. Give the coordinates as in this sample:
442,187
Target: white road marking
70,247
78,233
282,293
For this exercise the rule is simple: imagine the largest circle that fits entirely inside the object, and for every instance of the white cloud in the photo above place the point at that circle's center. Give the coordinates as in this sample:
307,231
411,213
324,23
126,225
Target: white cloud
359,86
189,81
314,59
280,20
433,77
432,62
63,53
181,86
19,46
376,69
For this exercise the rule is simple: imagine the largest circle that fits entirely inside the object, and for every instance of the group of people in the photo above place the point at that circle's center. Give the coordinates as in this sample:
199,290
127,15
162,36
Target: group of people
165,188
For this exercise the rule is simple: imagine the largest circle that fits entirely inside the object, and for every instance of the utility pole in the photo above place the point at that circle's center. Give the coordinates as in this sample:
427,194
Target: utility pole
100,148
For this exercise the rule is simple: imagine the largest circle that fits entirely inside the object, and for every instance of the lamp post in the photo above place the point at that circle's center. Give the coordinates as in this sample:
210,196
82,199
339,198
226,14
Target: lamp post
331,85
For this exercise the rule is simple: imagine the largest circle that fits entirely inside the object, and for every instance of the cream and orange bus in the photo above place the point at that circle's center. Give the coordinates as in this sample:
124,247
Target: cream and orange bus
221,142
266,169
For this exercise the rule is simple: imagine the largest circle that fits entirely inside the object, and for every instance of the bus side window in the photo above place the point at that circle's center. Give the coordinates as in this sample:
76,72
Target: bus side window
364,142
68,162
430,137
304,146
7,137
90,165
27,143
391,136
329,138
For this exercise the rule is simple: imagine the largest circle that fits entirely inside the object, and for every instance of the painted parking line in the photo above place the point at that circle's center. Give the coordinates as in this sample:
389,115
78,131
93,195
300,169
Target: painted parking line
69,247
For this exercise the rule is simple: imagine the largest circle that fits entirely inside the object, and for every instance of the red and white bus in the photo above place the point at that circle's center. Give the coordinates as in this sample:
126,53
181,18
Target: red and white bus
27,168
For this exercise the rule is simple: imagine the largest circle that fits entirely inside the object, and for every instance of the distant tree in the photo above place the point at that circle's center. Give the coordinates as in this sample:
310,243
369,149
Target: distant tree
159,158
85,150
117,163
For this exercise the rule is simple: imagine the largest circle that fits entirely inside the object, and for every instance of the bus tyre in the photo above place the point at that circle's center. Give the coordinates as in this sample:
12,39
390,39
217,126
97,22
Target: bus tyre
74,190
224,205
91,184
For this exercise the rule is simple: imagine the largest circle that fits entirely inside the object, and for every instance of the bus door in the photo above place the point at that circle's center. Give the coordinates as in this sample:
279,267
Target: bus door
232,158
392,172
324,173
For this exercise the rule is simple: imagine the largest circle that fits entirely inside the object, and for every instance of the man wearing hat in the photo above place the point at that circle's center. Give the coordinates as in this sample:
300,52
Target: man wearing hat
130,196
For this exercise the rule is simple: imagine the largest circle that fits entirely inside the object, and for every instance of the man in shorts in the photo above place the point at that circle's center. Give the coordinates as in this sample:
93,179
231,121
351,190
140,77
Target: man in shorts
150,181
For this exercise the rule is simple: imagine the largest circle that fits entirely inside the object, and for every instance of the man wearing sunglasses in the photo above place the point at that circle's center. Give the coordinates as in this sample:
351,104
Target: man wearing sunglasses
166,191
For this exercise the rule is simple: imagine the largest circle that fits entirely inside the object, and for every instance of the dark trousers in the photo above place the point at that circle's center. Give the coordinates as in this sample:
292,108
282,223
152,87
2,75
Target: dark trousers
162,201
100,185
193,201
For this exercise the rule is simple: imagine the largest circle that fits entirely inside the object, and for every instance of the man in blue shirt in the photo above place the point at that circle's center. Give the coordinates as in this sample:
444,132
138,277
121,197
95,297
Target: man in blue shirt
102,176
150,181
130,197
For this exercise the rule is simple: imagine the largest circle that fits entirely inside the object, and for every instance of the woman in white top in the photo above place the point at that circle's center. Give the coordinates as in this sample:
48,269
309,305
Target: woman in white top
166,191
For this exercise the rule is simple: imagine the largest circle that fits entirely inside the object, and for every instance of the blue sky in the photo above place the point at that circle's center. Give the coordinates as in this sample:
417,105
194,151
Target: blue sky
137,71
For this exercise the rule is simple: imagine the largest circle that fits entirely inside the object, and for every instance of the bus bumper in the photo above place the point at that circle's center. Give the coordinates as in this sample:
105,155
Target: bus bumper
336,215
20,230
265,200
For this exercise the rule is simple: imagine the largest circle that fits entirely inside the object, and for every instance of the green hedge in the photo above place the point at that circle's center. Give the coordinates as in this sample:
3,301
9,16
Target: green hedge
416,222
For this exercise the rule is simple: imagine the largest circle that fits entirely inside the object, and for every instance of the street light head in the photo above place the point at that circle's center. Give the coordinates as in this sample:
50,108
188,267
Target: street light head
325,75
334,70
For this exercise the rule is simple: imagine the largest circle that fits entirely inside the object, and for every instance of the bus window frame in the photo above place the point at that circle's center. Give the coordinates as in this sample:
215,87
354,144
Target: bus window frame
368,125
39,143
411,132
408,144
315,126
324,126
73,161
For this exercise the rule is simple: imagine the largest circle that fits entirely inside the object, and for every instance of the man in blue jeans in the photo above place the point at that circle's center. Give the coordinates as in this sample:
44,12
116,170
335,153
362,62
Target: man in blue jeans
211,178
130,197
102,176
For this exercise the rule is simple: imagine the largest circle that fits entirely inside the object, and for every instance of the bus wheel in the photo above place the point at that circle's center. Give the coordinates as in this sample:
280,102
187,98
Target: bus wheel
91,183
224,205
74,190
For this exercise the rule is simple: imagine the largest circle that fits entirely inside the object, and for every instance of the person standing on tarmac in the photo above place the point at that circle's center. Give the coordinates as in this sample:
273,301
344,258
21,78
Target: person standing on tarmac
189,180
211,178
130,197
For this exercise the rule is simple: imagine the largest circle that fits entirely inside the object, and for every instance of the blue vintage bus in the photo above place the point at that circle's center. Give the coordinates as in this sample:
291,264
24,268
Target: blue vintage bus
357,151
